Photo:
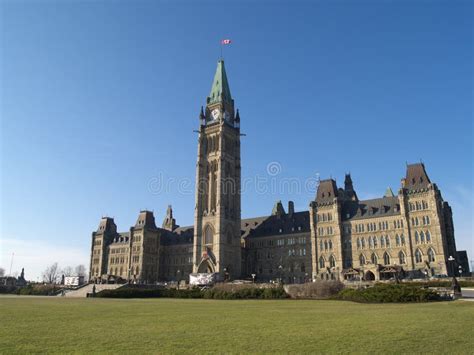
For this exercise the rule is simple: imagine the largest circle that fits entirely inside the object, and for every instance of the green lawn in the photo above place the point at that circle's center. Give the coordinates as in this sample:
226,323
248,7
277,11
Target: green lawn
40,324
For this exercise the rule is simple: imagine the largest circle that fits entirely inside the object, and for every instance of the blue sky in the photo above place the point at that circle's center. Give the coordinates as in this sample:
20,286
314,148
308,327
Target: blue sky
99,98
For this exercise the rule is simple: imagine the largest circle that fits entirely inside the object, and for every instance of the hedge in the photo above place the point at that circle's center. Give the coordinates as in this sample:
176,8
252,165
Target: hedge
388,293
213,293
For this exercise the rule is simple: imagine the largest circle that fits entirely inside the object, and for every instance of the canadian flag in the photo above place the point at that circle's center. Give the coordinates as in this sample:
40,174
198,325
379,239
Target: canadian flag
226,41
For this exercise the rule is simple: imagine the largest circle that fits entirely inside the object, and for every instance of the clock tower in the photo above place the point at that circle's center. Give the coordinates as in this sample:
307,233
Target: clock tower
217,211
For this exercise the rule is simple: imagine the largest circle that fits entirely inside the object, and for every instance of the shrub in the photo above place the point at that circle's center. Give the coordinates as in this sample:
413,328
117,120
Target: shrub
319,289
8,289
388,293
126,292
39,290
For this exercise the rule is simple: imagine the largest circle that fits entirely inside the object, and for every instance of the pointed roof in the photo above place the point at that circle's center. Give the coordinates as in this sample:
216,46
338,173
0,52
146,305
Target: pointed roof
416,177
220,91
389,192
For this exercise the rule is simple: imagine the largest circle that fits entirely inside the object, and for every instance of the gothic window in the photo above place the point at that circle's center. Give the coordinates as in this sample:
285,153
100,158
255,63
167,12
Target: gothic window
321,246
401,258
428,236
358,243
402,239
387,241
330,245
397,240
361,260
208,235
371,244
386,259
325,245
427,219
321,262
374,258
422,237
431,255
382,241
363,242
375,242
332,261
418,256
417,237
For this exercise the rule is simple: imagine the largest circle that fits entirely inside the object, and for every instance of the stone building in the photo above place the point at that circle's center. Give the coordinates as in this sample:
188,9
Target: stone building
409,234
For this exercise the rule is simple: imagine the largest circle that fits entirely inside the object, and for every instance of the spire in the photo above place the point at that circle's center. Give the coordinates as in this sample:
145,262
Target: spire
389,192
348,183
169,222
220,91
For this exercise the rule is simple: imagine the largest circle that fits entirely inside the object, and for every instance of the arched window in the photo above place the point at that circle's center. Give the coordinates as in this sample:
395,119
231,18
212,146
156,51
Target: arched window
375,242
418,256
374,259
371,244
363,242
387,241
427,219
330,245
382,242
386,259
402,239
321,246
401,257
397,240
208,235
358,243
321,262
325,245
417,237
428,236
431,255
422,237
332,261
361,260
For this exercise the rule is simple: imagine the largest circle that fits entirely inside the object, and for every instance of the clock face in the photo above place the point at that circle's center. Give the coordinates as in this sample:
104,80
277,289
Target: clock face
215,113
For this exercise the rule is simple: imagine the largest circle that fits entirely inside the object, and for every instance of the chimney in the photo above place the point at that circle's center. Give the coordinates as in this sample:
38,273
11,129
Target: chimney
291,208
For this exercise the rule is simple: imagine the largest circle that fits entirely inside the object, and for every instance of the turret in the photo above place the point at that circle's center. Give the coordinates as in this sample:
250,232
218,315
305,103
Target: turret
169,223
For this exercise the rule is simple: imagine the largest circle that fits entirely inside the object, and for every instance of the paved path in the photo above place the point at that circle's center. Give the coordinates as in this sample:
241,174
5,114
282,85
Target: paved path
468,294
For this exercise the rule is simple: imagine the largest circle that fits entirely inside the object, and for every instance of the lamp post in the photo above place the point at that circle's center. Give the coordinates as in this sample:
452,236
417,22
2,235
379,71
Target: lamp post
280,271
454,285
253,277
177,276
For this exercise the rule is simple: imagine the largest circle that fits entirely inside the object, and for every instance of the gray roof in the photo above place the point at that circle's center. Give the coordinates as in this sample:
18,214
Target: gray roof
378,207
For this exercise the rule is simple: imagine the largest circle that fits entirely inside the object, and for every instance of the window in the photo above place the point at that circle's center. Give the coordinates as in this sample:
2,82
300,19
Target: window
358,243
374,259
321,246
387,241
422,237
382,242
418,256
375,242
417,237
386,259
431,255
208,235
428,236
397,240
332,261
361,260
330,245
321,262
363,242
427,219
371,244
401,258
325,245
402,239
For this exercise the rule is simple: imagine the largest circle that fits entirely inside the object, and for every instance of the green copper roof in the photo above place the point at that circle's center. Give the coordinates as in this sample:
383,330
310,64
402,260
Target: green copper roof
220,91
389,192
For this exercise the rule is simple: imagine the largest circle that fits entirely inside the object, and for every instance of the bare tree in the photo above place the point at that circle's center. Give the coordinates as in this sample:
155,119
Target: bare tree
80,270
51,274
2,272
67,271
